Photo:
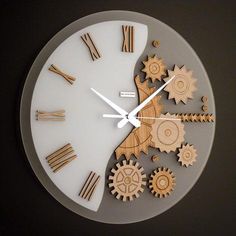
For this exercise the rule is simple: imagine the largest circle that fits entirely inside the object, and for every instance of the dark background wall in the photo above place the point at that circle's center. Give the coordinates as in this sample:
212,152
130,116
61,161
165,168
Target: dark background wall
25,206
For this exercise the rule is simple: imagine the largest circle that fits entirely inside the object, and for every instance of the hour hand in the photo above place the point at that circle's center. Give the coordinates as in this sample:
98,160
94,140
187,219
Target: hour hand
121,111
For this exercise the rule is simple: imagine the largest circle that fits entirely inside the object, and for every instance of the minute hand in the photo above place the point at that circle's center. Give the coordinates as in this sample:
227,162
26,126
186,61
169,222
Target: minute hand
133,121
143,104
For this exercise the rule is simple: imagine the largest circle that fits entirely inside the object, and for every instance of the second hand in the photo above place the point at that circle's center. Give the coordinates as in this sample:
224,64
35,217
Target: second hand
138,117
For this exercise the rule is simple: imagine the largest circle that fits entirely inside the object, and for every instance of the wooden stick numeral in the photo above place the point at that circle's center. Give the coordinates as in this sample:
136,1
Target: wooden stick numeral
91,46
89,186
128,38
61,157
50,116
68,78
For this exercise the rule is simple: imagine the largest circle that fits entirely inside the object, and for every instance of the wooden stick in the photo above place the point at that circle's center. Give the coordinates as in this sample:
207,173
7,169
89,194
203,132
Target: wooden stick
93,189
63,163
58,159
87,182
58,151
67,77
50,116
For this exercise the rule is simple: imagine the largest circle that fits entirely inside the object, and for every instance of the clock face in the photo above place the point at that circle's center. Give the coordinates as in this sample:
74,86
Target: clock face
117,117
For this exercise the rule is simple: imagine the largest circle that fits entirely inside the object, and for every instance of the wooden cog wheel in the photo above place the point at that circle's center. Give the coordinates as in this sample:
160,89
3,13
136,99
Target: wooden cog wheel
154,68
127,180
140,138
162,182
167,133
182,86
187,155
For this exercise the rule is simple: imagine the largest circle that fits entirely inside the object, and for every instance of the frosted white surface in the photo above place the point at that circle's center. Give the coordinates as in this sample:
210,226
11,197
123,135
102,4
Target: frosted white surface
93,137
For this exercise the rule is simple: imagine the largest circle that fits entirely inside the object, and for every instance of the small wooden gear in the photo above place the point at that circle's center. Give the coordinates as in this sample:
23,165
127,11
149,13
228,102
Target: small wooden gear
140,138
183,85
155,43
167,133
162,182
127,180
187,155
154,68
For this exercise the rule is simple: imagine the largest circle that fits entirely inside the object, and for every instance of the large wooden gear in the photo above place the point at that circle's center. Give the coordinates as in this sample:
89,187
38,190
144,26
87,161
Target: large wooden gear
140,138
183,85
167,133
162,182
127,180
187,155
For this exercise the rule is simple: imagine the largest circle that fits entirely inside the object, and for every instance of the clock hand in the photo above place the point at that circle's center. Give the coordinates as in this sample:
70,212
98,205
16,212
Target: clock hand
121,111
143,104
138,117
112,116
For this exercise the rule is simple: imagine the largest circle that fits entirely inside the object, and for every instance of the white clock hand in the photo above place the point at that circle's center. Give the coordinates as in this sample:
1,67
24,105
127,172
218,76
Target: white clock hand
138,117
143,104
133,120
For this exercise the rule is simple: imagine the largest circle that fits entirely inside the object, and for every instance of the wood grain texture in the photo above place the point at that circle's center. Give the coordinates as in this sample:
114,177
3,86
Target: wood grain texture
50,115
89,186
61,157
128,38
140,138
127,180
91,46
70,79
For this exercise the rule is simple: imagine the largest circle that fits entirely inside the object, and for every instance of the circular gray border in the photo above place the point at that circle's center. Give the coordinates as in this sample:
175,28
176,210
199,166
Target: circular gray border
27,96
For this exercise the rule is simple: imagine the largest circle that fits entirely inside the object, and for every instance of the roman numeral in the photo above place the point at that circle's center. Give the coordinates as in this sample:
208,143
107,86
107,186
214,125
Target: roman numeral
89,186
50,116
91,46
128,38
61,157
70,79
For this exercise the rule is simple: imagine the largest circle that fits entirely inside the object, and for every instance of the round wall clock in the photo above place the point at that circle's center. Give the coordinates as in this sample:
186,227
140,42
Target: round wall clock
117,117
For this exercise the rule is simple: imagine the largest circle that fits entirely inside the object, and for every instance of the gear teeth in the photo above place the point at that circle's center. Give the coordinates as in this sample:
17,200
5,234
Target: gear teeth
192,117
183,86
161,182
187,155
165,130
140,139
122,190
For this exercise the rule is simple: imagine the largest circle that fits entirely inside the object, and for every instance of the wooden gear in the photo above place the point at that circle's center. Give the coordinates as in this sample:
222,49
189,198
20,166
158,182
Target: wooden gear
154,68
187,155
127,180
162,182
167,133
155,43
140,138
183,85
155,158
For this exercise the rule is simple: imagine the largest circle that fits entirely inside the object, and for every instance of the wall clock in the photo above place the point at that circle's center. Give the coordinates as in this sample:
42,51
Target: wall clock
117,117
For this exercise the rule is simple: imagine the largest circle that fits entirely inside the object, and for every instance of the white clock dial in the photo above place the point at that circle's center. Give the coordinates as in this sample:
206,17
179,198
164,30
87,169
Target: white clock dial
93,138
